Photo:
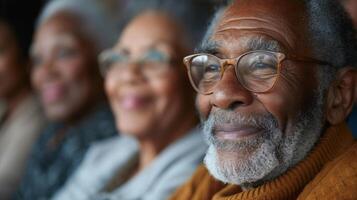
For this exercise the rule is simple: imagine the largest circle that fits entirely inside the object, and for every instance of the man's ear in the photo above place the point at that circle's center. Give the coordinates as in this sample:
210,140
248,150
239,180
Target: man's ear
342,96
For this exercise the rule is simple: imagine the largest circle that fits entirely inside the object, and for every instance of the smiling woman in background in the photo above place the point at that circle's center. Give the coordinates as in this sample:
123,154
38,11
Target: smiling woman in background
21,119
66,77
153,104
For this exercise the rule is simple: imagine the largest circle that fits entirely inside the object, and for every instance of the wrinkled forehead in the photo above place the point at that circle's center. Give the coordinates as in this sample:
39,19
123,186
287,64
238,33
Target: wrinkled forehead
282,21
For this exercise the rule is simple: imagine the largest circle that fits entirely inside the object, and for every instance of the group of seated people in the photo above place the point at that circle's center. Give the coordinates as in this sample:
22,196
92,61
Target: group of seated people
179,100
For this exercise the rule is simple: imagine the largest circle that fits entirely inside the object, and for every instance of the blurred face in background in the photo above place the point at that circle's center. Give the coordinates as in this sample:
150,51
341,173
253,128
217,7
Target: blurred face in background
351,7
12,65
145,80
64,68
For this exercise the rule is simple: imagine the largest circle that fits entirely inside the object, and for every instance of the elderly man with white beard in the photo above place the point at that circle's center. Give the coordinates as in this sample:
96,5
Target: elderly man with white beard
276,82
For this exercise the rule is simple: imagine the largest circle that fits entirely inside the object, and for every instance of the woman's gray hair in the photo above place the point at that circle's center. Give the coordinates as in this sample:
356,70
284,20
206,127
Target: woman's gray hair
99,26
192,15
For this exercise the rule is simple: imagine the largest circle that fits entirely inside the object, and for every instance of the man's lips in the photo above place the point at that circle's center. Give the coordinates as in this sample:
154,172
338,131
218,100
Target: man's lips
228,132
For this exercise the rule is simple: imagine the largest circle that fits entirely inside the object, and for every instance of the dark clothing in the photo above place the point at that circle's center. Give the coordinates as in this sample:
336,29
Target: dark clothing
20,16
352,121
52,162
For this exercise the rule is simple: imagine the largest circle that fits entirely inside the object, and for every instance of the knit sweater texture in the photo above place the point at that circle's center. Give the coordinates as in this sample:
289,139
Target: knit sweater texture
328,172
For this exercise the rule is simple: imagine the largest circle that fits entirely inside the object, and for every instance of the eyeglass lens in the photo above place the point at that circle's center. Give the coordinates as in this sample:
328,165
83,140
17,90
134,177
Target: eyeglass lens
256,71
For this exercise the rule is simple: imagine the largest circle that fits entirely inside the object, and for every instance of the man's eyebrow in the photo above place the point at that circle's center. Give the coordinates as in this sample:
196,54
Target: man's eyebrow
252,44
208,46
261,43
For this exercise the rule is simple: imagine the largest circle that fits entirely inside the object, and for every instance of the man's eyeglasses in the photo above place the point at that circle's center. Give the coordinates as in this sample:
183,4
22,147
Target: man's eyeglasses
257,71
150,64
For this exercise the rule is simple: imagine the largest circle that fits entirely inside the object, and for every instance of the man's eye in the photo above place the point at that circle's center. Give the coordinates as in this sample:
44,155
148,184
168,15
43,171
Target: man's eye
210,68
211,72
262,65
258,61
263,70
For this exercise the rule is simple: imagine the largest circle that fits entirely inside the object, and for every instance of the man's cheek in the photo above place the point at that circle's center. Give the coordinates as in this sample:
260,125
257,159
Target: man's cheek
203,105
280,107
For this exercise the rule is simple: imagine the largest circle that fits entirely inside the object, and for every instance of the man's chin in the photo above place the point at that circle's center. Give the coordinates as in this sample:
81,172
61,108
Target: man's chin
230,154
238,167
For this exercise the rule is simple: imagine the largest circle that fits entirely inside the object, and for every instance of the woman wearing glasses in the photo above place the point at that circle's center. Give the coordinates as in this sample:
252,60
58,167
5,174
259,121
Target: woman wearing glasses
153,104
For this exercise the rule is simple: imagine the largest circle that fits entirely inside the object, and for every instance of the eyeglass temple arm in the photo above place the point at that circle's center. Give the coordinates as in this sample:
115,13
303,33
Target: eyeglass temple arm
308,59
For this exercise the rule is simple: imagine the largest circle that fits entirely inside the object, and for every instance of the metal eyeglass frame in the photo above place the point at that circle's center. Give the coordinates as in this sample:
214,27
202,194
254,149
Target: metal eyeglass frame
224,63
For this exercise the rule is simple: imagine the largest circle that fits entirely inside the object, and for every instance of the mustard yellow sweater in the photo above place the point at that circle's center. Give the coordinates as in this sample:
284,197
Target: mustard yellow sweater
328,172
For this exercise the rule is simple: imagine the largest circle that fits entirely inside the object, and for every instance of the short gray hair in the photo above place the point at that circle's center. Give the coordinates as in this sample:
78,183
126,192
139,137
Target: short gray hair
100,27
331,29
332,35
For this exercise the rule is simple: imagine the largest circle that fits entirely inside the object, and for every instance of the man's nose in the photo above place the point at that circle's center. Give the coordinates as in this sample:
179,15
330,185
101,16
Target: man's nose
229,92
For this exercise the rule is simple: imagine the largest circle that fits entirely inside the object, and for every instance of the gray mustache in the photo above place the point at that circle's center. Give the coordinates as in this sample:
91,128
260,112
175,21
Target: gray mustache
261,121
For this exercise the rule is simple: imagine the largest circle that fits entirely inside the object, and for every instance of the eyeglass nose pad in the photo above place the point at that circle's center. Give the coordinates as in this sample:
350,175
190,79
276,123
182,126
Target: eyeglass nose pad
224,65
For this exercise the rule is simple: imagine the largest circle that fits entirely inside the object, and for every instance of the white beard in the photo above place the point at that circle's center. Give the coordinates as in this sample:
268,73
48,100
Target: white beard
266,156
241,171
